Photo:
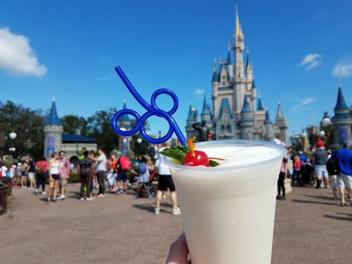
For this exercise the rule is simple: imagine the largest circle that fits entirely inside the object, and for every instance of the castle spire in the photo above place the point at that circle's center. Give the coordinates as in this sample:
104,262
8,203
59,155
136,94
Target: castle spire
237,25
340,104
53,118
267,120
279,112
260,106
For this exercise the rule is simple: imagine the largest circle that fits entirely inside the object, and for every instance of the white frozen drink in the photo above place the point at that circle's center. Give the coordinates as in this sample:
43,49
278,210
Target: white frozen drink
228,211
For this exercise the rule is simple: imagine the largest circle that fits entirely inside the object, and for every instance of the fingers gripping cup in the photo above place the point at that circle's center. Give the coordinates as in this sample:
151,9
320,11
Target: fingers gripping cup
228,211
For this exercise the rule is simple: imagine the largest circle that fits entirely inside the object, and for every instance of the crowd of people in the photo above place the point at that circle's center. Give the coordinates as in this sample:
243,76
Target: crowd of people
114,174
323,168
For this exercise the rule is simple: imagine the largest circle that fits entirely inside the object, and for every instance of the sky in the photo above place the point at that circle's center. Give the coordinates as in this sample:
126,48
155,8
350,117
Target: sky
300,49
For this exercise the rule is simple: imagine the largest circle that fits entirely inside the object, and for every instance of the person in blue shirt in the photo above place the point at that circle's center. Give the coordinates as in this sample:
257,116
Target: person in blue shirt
344,158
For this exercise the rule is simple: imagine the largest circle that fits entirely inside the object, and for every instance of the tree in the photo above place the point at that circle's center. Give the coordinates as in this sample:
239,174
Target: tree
73,124
27,124
99,127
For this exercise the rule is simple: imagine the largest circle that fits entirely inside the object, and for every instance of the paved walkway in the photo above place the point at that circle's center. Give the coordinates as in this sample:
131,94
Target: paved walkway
309,228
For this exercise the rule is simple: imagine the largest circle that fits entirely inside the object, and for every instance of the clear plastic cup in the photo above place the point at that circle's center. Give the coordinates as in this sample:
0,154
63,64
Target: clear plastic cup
228,211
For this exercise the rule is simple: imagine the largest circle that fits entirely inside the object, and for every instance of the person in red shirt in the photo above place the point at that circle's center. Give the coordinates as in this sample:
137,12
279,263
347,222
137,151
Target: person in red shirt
297,166
41,168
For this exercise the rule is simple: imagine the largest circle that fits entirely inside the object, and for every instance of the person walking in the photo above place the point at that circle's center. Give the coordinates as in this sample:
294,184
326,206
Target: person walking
101,171
65,167
333,169
123,167
85,173
344,158
281,180
54,176
320,157
41,174
24,174
111,172
31,173
165,183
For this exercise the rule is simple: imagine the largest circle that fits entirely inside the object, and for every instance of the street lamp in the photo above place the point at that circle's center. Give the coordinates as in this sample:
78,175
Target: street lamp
139,140
12,135
326,121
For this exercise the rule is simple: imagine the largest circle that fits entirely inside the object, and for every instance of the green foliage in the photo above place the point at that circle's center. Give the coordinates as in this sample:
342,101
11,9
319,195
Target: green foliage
72,124
27,124
74,178
177,153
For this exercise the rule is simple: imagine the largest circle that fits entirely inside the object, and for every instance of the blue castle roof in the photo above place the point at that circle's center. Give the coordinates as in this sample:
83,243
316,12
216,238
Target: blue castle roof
225,109
340,104
53,118
260,106
246,108
267,120
206,108
124,118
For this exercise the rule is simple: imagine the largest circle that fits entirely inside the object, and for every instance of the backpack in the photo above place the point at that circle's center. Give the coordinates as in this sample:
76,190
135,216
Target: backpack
125,163
41,167
142,168
85,167
332,165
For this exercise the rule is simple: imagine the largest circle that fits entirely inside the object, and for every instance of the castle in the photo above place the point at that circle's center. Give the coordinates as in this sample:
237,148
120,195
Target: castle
55,140
237,111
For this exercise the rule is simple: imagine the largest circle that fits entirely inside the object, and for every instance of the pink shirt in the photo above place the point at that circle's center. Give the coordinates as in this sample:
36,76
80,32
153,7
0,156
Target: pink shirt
64,168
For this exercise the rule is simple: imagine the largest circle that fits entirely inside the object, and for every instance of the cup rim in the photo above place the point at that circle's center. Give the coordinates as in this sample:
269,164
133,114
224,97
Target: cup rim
239,142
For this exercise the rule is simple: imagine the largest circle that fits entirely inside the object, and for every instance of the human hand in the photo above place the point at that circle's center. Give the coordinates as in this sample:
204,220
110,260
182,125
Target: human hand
178,253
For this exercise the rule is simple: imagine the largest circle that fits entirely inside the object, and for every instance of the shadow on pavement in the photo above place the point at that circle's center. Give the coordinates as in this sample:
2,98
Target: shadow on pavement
339,217
320,197
312,202
148,207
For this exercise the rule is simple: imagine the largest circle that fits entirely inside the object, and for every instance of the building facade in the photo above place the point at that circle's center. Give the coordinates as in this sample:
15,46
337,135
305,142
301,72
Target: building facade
237,111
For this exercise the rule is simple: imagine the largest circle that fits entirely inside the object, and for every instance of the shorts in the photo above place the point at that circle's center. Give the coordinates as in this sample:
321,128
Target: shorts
334,182
320,171
122,176
166,182
345,181
56,177
63,181
24,174
31,175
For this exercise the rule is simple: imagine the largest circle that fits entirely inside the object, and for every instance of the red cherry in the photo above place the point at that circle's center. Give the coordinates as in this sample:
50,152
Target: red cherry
196,158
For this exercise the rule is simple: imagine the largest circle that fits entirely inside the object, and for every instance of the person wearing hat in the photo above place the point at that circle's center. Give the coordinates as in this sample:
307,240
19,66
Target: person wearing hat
320,159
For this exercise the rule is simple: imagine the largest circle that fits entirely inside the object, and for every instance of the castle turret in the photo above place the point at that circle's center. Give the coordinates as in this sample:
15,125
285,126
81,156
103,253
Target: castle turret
240,83
191,120
249,70
281,124
260,113
53,130
268,127
206,112
246,123
342,119
224,123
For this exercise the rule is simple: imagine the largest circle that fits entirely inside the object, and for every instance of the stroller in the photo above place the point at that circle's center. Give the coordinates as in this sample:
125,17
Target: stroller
147,187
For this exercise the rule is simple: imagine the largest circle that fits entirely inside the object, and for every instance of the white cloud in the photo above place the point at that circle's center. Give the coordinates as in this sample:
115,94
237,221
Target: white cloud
199,92
311,61
303,104
342,69
16,55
